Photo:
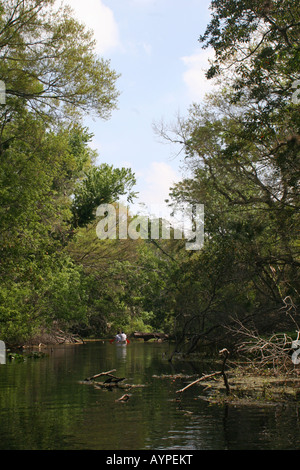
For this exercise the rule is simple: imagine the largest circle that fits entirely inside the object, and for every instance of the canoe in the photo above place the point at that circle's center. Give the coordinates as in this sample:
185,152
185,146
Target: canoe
125,341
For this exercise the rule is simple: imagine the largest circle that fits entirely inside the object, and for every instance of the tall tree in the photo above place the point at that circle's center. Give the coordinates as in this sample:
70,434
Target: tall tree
242,150
52,77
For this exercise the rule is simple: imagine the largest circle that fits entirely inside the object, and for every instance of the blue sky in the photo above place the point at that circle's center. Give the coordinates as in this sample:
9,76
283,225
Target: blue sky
154,45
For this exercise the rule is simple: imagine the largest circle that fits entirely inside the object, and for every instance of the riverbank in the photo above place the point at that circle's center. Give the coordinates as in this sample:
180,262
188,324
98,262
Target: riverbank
231,381
250,386
58,336
52,337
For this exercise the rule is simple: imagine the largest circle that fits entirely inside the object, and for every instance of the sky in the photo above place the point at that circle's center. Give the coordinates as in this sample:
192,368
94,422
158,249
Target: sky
153,45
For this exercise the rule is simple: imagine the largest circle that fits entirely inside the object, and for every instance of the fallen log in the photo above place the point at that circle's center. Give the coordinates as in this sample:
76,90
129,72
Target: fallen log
148,336
116,385
110,386
114,380
111,382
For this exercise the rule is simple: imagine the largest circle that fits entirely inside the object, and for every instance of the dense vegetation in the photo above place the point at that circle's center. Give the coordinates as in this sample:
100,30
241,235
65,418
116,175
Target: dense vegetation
242,154
50,184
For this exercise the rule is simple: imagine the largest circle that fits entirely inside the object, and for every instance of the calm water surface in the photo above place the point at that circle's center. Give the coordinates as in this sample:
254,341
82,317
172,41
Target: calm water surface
44,406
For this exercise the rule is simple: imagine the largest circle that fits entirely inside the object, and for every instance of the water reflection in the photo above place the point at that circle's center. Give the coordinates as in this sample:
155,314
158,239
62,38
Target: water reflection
44,405
121,351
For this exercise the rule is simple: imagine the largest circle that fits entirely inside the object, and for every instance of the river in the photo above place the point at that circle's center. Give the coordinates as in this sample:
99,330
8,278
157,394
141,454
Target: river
45,406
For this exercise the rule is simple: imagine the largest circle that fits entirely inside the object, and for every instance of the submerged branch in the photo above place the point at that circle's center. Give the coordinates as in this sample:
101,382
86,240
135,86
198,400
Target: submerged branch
204,377
225,352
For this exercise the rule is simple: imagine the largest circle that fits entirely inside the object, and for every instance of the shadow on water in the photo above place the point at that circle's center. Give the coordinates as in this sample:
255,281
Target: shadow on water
45,405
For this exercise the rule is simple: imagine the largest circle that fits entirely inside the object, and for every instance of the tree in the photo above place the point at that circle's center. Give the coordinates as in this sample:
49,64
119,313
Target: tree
242,151
100,185
128,281
48,62
36,180
52,77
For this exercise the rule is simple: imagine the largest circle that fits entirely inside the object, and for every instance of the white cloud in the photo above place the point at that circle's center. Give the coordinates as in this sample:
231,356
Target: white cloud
159,178
154,184
194,77
100,19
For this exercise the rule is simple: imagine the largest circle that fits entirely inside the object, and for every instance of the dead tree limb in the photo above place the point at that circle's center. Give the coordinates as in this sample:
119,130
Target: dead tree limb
204,377
109,373
225,353
124,398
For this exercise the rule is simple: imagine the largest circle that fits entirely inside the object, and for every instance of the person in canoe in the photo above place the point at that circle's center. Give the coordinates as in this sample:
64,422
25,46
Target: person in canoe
121,338
118,337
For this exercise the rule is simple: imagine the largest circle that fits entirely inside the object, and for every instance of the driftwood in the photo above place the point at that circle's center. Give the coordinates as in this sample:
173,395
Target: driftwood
124,398
110,386
112,381
225,353
112,378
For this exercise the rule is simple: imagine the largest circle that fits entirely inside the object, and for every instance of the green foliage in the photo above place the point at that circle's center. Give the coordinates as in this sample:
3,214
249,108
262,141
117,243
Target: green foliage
126,282
242,152
52,77
101,185
48,62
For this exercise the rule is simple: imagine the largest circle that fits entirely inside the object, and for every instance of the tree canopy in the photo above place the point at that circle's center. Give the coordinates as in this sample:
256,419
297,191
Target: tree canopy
49,64
52,77
241,148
